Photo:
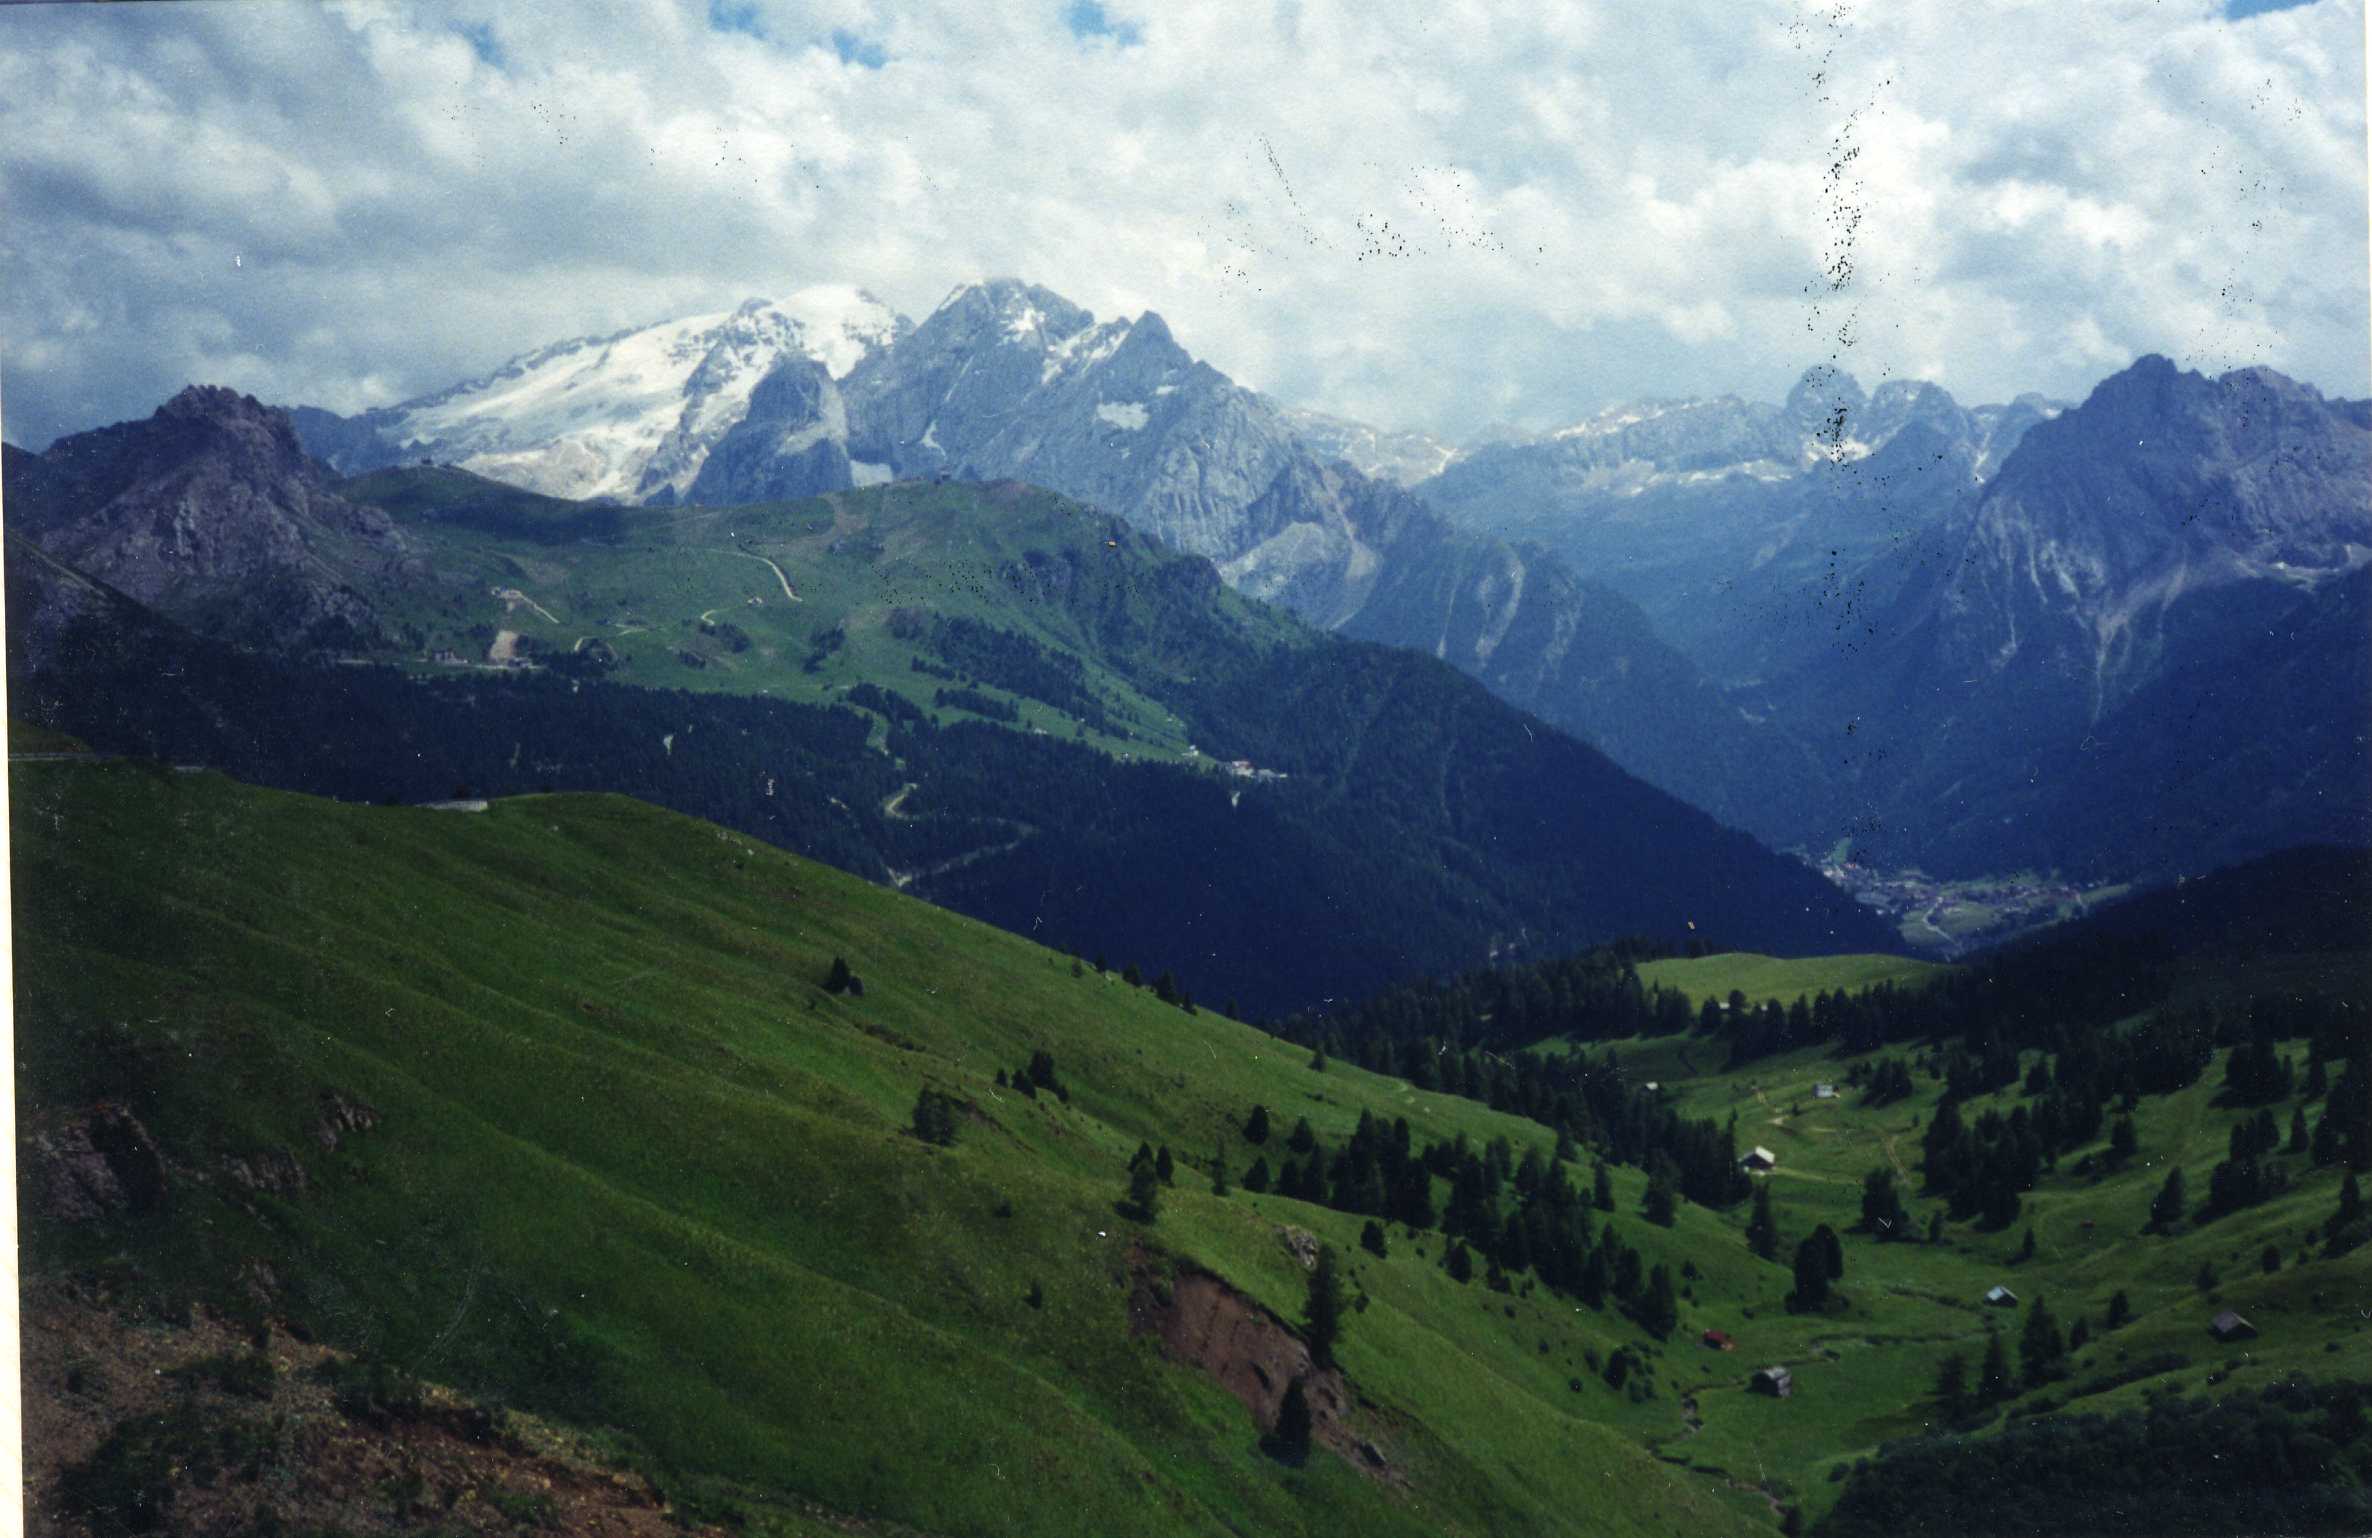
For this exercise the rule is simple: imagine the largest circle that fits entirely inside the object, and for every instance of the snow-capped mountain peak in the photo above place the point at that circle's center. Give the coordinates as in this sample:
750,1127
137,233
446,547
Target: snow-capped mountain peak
632,415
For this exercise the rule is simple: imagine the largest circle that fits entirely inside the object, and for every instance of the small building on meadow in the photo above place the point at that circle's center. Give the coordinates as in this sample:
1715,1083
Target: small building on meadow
1824,1092
1759,1158
1774,1381
1718,1341
2001,1297
2230,1326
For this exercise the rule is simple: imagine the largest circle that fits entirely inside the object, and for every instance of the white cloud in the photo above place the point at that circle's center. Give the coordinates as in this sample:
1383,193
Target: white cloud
1412,214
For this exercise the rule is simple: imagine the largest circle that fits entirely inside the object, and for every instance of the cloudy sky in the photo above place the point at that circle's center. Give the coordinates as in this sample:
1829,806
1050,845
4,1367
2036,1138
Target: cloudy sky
1439,215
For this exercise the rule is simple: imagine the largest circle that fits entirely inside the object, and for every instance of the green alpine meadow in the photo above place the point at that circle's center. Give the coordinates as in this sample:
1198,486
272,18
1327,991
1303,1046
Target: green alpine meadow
589,1112
1264,770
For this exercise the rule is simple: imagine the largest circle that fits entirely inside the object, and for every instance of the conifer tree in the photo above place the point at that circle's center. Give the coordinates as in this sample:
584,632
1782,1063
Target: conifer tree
1371,1239
1144,1191
1951,1386
1811,1276
2166,1208
1658,1203
836,981
2040,1349
1659,1311
2120,1309
2123,1142
1256,1126
1256,1178
1602,1188
1290,1440
1165,1166
2351,1206
1993,1375
1321,1317
1762,1230
1882,1206
934,1117
1219,1169
1461,1264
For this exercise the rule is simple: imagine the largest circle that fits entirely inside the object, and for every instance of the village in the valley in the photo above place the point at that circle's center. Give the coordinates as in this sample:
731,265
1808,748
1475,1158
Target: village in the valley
1949,918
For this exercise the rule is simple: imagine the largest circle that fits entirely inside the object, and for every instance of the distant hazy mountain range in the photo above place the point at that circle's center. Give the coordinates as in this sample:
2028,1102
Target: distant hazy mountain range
2115,638
1877,616
982,693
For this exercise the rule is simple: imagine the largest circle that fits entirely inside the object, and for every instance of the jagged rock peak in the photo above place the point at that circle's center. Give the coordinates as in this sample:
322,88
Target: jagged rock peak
1822,391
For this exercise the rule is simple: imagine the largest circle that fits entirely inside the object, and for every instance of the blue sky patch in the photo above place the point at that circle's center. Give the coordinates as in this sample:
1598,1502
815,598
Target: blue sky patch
857,50
1086,18
734,16
481,42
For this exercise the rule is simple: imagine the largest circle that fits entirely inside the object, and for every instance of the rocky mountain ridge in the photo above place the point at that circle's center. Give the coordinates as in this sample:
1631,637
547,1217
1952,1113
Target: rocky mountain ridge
210,511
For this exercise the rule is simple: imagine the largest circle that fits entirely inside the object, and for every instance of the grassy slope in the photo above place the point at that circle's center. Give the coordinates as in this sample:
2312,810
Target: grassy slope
634,1166
1864,1375
648,577
1781,978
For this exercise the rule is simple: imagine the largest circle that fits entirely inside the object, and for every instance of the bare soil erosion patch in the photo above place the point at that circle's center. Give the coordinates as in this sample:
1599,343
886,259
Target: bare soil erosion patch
1203,1322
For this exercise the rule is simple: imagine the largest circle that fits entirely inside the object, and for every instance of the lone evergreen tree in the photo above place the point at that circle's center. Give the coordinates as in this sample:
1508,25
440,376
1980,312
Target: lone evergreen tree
1165,1167
1811,1276
1256,1178
1993,1375
1602,1188
1256,1126
1371,1239
1290,1440
1321,1318
2166,1208
2026,1250
2120,1309
2345,1230
1762,1230
1461,1264
1832,1251
1144,1191
836,981
1951,1386
2040,1349
1882,1206
934,1117
1659,1311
